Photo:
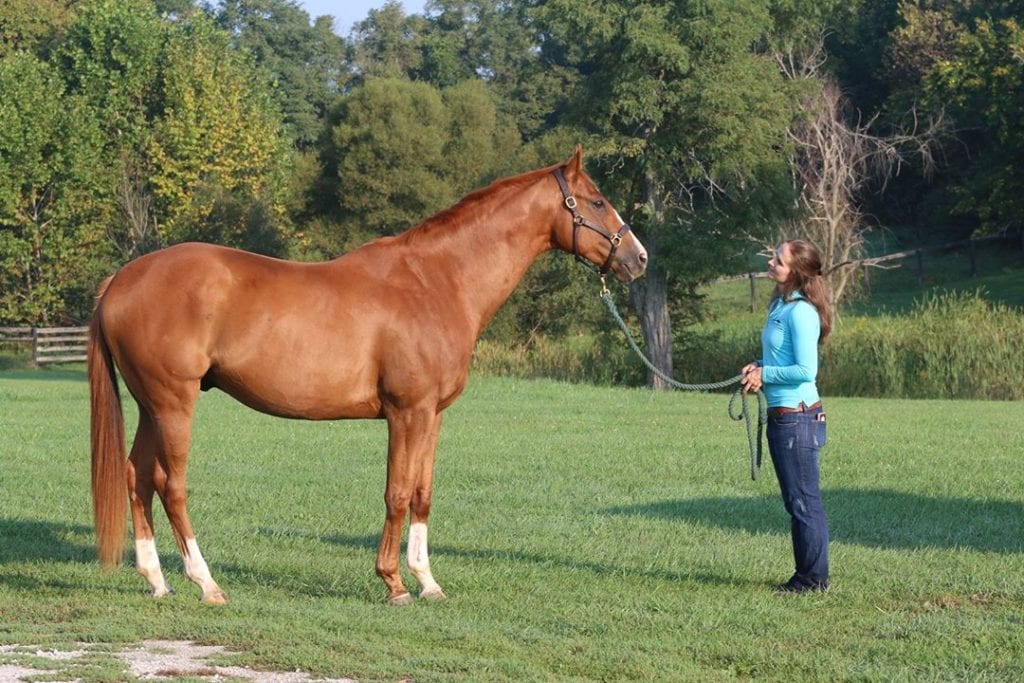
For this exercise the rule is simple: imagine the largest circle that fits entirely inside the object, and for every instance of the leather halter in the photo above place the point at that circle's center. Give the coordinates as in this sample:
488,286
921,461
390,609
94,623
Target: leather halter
579,219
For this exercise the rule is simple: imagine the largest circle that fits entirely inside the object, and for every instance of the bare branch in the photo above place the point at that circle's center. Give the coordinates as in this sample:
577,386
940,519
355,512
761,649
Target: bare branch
834,162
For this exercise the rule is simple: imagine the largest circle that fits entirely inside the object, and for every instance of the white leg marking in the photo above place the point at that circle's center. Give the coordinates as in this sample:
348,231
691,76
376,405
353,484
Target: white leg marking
419,561
196,569
147,563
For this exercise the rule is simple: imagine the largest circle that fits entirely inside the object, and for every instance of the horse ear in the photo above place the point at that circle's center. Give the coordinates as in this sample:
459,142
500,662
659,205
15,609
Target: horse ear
575,164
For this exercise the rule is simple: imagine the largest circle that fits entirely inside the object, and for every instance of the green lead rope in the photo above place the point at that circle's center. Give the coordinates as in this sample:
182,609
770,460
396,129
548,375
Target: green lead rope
755,430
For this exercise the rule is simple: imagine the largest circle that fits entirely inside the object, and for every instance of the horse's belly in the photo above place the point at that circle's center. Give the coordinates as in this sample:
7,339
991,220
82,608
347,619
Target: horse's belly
292,393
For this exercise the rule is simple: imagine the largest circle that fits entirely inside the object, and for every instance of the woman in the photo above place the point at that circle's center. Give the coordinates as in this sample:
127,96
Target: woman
798,320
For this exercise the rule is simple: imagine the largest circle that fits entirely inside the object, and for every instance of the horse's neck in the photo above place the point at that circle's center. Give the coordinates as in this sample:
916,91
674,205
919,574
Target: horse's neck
484,250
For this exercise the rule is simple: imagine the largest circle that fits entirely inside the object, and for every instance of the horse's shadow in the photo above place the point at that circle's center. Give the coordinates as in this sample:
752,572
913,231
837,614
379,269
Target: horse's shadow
566,560
30,541
877,518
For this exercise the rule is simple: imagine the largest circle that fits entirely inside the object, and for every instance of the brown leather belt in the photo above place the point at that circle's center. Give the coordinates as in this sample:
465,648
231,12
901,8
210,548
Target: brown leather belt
783,410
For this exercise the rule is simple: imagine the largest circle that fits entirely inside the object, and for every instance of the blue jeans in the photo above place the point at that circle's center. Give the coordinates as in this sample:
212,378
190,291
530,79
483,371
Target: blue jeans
795,441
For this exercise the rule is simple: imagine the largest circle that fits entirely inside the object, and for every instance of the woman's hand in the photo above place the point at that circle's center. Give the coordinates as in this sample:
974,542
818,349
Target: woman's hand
751,378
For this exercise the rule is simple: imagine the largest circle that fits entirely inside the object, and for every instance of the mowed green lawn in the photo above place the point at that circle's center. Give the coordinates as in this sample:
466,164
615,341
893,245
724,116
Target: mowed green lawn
581,534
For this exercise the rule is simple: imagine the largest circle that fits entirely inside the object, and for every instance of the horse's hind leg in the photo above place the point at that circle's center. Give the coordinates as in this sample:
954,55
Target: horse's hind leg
173,432
142,480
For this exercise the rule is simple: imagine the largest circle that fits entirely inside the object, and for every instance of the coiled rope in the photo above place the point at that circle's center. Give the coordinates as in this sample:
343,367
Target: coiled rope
754,429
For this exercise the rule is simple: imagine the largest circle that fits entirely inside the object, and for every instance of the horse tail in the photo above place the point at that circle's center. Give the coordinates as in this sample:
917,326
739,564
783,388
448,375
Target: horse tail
109,492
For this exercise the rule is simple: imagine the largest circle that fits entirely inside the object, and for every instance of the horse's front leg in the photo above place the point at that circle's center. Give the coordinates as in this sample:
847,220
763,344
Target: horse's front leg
417,555
411,435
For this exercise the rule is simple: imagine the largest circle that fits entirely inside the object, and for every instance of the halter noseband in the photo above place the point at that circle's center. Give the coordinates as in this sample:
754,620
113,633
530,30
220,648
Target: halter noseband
580,220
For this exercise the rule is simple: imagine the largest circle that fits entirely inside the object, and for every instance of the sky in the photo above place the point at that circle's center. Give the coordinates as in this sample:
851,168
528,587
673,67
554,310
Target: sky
348,12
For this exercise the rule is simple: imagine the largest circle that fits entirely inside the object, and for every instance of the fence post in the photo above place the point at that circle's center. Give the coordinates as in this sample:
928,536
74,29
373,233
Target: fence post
867,280
753,294
35,347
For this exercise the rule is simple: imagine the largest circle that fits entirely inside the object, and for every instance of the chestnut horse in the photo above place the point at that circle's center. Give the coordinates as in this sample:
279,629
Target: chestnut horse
386,331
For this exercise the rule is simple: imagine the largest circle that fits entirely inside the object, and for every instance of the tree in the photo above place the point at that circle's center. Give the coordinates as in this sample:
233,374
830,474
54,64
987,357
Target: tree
306,61
388,44
189,121
110,57
31,25
50,211
219,137
982,88
834,161
498,42
692,117
403,150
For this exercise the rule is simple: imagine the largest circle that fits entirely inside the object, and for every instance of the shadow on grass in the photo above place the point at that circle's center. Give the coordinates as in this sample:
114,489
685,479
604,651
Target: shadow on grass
567,560
33,541
870,517
26,540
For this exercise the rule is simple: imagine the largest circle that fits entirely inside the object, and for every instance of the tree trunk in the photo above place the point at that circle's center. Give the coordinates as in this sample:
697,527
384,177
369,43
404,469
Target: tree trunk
649,297
649,294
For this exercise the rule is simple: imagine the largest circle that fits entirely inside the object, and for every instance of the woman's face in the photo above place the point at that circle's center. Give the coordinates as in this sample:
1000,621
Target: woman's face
778,265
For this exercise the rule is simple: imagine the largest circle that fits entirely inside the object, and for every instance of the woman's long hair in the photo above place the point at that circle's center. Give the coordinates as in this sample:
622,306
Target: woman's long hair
805,275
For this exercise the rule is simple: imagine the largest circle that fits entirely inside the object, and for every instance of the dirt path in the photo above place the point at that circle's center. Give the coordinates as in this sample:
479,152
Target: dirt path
151,660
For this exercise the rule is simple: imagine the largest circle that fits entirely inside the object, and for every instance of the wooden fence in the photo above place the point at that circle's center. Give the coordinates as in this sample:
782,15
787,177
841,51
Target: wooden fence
49,344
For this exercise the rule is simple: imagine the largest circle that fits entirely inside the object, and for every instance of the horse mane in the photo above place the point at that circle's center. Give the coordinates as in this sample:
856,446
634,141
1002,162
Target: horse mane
462,212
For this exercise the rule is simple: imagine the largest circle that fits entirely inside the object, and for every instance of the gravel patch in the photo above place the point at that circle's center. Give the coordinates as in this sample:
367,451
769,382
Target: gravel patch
154,660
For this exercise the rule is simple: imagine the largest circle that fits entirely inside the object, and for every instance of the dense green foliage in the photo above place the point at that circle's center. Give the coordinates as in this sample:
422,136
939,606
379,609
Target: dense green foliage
50,211
581,534
948,346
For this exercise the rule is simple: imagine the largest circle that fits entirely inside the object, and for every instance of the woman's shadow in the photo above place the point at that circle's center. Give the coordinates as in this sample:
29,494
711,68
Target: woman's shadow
877,518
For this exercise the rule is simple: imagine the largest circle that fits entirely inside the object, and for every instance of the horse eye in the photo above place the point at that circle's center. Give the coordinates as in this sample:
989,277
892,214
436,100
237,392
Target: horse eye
599,203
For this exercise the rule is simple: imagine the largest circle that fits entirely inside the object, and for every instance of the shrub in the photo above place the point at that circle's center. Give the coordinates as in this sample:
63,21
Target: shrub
948,346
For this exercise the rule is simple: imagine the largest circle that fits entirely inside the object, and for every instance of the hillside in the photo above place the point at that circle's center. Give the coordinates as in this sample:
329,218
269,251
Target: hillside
894,287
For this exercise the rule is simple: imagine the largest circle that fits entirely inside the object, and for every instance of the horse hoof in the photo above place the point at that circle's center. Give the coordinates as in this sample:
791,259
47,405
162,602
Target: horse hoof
166,590
434,595
215,598
402,599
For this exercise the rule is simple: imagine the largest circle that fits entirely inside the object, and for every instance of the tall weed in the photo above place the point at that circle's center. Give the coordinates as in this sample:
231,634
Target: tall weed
955,345
601,359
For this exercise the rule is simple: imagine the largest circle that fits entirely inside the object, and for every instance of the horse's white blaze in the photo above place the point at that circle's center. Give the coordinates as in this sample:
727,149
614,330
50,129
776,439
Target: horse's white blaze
147,562
418,558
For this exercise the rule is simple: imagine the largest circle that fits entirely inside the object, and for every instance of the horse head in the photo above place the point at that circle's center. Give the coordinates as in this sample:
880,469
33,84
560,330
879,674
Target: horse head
593,230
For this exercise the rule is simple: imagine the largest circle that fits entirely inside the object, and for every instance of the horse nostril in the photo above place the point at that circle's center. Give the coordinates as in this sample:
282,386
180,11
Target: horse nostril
643,258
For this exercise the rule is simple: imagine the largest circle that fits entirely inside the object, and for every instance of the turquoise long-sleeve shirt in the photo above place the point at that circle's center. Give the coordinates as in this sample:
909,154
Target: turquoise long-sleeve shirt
789,347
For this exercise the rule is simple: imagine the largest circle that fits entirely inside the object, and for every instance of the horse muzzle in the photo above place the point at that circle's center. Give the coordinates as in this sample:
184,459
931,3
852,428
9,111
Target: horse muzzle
629,261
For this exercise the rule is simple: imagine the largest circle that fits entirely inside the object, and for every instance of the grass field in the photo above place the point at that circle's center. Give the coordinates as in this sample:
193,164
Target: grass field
581,534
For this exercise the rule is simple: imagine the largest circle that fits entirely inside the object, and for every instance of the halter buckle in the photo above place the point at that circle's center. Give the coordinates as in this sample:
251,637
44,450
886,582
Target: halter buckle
570,203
